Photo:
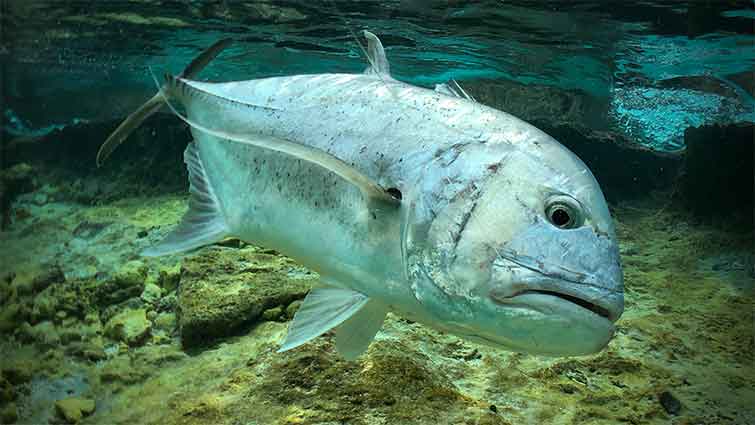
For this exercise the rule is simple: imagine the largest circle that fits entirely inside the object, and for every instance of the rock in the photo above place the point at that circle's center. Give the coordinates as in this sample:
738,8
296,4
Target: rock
670,404
10,318
44,308
533,102
6,288
151,293
169,277
18,372
127,282
166,322
14,181
168,302
75,330
74,409
130,326
293,308
223,289
43,333
92,350
261,11
9,414
272,314
121,370
719,157
7,391
702,83
53,274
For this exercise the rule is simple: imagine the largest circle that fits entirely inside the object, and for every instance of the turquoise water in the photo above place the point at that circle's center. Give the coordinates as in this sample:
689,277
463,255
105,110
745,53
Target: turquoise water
101,51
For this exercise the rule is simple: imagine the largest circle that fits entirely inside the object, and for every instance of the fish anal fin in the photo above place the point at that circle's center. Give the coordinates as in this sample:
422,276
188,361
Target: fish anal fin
323,309
203,223
354,336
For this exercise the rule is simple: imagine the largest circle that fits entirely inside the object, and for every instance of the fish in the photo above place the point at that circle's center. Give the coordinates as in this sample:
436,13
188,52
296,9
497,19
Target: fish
421,202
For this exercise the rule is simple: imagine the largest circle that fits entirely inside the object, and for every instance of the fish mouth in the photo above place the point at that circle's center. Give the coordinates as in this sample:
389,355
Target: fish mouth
601,307
581,302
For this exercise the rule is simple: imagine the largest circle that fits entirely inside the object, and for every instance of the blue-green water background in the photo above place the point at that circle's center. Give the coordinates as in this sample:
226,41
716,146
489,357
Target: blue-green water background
70,61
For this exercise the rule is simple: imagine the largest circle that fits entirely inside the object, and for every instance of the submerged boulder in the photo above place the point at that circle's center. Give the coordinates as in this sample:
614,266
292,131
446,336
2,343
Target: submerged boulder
127,282
130,326
74,409
223,289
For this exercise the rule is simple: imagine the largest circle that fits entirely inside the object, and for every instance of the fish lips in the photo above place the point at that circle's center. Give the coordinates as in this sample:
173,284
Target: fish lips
542,293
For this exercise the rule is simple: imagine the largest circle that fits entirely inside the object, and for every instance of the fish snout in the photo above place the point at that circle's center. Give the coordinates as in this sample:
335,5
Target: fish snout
515,284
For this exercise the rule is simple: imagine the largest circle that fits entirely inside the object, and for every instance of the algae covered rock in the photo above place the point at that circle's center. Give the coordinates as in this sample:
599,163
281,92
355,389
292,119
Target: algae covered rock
9,413
151,293
74,409
10,318
127,282
130,326
222,289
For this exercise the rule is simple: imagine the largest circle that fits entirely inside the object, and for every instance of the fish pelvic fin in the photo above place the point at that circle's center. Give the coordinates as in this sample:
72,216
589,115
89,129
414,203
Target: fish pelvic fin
323,309
355,335
203,223
133,121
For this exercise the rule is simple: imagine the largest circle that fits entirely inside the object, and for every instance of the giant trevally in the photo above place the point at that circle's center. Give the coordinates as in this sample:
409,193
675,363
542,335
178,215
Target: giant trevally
404,199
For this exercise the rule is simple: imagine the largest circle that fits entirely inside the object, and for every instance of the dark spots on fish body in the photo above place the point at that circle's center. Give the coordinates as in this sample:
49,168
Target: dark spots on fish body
493,168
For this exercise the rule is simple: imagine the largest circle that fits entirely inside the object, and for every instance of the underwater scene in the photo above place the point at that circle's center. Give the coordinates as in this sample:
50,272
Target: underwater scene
377,212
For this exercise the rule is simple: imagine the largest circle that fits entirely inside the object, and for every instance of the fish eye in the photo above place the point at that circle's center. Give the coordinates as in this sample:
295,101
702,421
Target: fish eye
563,212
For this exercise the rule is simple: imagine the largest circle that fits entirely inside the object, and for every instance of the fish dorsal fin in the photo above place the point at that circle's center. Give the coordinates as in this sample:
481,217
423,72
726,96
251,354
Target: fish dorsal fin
355,334
203,223
376,56
375,196
453,88
323,309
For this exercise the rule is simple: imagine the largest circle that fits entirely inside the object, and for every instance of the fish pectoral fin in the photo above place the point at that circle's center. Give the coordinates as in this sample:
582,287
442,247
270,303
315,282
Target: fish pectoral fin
355,334
203,223
373,193
453,88
376,56
323,309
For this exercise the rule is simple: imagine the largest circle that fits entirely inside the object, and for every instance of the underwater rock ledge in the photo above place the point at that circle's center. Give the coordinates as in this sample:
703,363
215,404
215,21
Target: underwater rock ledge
718,170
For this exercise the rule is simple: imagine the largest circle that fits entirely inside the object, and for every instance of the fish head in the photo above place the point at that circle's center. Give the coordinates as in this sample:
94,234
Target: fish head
523,256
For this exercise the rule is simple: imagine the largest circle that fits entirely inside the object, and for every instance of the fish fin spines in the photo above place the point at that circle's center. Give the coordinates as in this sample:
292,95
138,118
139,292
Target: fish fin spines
453,88
203,223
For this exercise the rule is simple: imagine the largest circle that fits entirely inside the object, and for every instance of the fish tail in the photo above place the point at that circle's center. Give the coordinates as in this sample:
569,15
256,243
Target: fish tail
133,121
